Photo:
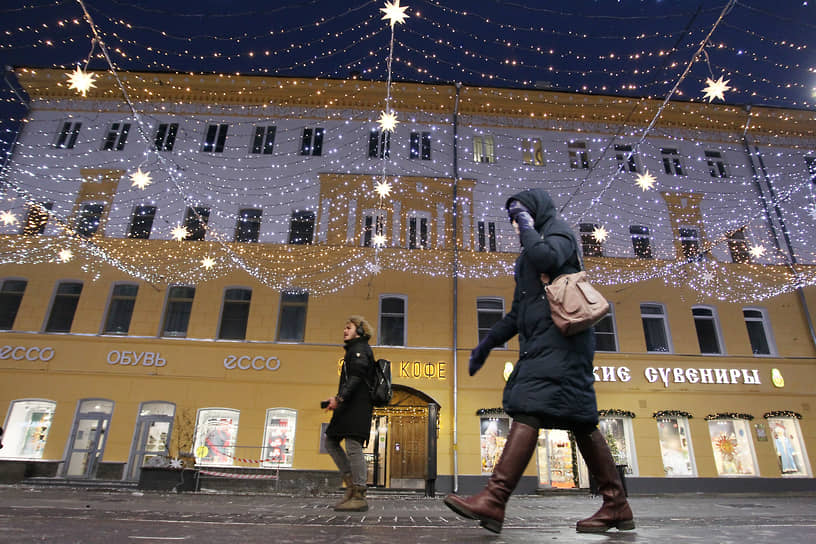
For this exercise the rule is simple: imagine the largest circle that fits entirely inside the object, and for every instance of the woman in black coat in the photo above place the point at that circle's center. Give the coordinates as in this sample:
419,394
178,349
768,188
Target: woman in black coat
552,383
351,418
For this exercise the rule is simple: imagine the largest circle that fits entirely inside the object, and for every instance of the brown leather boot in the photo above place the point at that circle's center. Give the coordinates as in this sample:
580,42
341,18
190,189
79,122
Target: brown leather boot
347,482
487,506
615,511
357,502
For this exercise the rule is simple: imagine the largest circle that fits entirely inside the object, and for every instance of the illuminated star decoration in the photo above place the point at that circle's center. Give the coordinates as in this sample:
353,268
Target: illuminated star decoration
707,276
600,234
8,217
66,255
207,262
176,463
179,233
811,211
645,180
394,12
81,81
375,268
757,251
388,121
716,89
140,179
383,189
378,240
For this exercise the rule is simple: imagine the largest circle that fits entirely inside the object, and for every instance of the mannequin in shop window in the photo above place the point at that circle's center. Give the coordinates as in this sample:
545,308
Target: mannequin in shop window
552,385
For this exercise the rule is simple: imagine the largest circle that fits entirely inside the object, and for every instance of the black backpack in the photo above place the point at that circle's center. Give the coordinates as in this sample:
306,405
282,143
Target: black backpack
381,388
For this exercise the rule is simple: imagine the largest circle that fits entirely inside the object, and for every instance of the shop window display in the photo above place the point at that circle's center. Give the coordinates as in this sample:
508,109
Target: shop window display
675,445
279,437
733,447
493,435
26,429
619,436
216,431
790,449
558,460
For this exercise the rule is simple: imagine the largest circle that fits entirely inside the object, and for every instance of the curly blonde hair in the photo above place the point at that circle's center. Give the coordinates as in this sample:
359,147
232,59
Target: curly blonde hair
360,321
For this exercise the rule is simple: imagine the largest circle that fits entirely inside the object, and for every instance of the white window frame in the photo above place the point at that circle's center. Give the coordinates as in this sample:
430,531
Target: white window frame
682,421
578,155
611,315
281,413
808,472
629,436
419,216
201,431
532,152
479,310
484,149
224,301
747,438
380,316
664,318
716,163
376,228
17,434
671,160
766,325
715,320
106,315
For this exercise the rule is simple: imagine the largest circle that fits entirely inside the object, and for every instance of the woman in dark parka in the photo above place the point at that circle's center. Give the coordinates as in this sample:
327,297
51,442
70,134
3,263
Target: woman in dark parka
552,383
351,420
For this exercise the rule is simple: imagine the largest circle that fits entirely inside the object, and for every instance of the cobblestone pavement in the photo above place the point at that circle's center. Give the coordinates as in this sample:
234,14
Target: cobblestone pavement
70,515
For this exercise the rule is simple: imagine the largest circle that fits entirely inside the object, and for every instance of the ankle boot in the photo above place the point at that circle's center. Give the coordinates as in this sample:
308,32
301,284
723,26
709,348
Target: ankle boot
487,506
348,484
615,511
357,502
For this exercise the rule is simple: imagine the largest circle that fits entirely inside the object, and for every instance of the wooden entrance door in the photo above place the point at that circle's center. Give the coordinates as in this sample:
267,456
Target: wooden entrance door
408,442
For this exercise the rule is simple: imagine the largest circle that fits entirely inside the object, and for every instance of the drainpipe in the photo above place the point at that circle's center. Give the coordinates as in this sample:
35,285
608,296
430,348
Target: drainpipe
455,293
792,256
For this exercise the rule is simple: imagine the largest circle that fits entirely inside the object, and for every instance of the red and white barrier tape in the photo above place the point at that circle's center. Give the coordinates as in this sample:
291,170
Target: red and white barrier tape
239,476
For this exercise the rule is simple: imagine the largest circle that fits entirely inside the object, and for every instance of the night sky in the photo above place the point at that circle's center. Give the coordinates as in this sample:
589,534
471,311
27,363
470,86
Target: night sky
635,48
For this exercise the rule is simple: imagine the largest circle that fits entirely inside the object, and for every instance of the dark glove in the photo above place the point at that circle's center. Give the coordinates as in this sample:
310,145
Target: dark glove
519,214
479,354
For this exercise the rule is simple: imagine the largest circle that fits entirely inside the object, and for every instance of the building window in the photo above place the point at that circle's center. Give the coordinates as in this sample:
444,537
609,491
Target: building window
120,309
141,222
312,142
373,224
690,243
590,246
617,430
264,140
675,446
116,138
90,216
215,138
626,158
606,335
216,433
279,437
532,152
655,328
166,136
63,307
177,311
11,295
671,162
26,429
733,447
789,446
708,330
37,218
488,242
420,146
716,165
379,144
235,314
195,221
756,321
292,318
489,311
493,432
418,231
68,135
301,227
738,246
578,156
641,241
392,321
248,227
483,149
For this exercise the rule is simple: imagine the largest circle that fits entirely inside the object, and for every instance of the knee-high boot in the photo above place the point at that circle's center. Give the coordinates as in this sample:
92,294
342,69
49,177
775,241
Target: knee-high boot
615,511
487,506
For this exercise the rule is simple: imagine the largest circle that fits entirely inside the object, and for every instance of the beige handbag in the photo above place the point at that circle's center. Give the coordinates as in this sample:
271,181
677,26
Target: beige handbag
575,305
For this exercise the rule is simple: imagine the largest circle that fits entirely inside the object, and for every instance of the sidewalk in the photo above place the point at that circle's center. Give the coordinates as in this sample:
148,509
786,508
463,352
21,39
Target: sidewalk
89,516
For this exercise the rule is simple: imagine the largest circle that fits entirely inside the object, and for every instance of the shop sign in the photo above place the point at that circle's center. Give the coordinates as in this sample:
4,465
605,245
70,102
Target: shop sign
22,353
423,369
136,358
245,362
669,375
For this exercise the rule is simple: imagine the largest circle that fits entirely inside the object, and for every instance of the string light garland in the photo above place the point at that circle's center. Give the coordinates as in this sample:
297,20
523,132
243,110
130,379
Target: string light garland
782,413
662,414
728,415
